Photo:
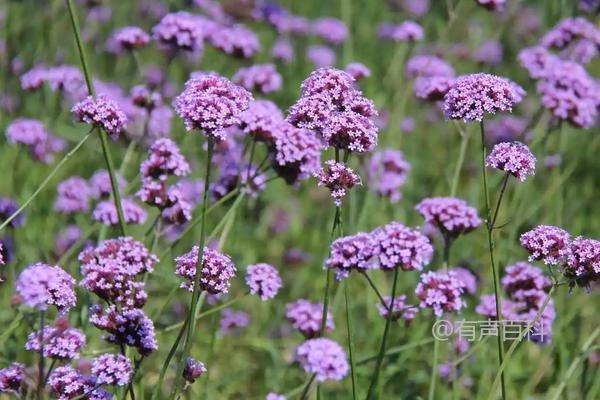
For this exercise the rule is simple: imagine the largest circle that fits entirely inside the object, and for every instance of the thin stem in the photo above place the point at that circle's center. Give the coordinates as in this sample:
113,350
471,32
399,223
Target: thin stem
47,180
502,190
40,386
464,144
163,370
52,364
377,292
103,136
432,381
304,395
395,350
349,334
489,227
388,322
196,292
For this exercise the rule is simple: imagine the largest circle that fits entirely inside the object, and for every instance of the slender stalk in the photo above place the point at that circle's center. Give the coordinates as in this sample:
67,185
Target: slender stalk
433,380
40,385
103,136
47,180
304,395
395,350
187,344
349,334
50,369
584,349
502,190
464,144
388,322
163,370
372,284
490,228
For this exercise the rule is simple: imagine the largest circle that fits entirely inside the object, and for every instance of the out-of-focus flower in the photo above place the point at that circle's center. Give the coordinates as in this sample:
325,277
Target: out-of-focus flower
261,120
307,317
7,208
505,128
492,5
399,310
358,71
323,357
407,31
388,171
583,262
282,51
296,153
100,186
514,158
66,238
321,56
112,369
432,88
452,216
351,253
263,78
232,320
263,280
216,270
331,30
180,30
193,369
106,212
440,291
577,38
428,66
42,285
338,178
11,378
164,158
236,40
128,38
468,279
490,52
59,343
275,396
73,196
101,112
402,247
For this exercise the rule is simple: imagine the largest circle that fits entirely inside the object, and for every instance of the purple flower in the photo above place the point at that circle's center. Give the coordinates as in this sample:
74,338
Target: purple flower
297,153
323,357
66,238
548,243
427,66
440,291
352,131
490,52
129,327
193,370
164,158
275,396
523,282
307,317
101,112
450,215
232,321
282,51
338,178
402,247
129,38
417,8
263,78
536,60
64,78
321,56
358,71
583,262
112,369
215,275
42,285
487,307
400,309
236,41
179,30
407,31
179,210
106,212
100,186
351,253
7,208
468,279
11,378
261,120
34,78
578,39
68,384
506,128
60,343
432,88
26,131
73,196
492,5
474,95
388,171
263,280
211,103
514,158
331,30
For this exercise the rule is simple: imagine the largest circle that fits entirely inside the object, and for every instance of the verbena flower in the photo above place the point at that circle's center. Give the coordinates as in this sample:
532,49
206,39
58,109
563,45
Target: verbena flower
387,171
7,208
232,321
323,357
583,261
570,36
73,196
330,29
338,178
164,158
106,212
101,112
492,5
548,243
514,158
261,120
440,291
64,78
523,282
128,38
100,186
41,285
452,216
66,383
400,309
306,317
11,378
407,31
432,88
193,370
179,30
262,78
427,66
467,278
402,247
263,280
282,51
60,343
353,252
490,53
112,369
296,153
216,270
358,71
321,56
473,96
506,128
236,40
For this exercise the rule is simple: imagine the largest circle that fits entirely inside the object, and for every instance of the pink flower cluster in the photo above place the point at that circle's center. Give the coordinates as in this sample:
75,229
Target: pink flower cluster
440,291
338,178
388,171
307,317
454,217
216,270
323,357
101,112
263,280
514,158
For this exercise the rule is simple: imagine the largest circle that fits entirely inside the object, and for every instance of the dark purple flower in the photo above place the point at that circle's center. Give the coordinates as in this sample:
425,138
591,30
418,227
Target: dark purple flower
216,270
440,291
193,369
68,384
100,185
323,357
514,158
402,247
524,282
306,317
7,208
353,252
583,262
11,378
338,178
42,285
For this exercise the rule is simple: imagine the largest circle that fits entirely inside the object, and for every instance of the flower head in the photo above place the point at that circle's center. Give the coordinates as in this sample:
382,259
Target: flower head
42,285
427,66
351,253
548,243
492,5
100,186
524,282
129,38
112,369
179,30
323,357
263,280
261,120
73,196
514,158
583,262
468,279
452,216
402,247
106,212
101,112
193,369
7,208
388,171
321,56
164,158
66,384
307,317
399,310
282,51
263,78
472,96
236,40
407,31
297,153
232,321
358,71
59,343
11,378
331,30
440,291
216,270
338,178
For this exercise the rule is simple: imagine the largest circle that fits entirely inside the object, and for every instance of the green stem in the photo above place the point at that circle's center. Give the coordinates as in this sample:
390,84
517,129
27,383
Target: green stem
304,395
395,350
377,292
196,292
103,136
163,370
490,227
47,180
502,190
464,144
40,385
433,380
388,322
349,334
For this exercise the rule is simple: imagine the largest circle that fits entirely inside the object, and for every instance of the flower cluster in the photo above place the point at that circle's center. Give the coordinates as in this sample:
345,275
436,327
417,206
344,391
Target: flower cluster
261,120
407,31
263,78
263,280
388,171
100,186
514,158
452,216
112,369
577,38
232,321
358,71
307,317
106,212
31,133
59,342
193,370
42,285
63,78
216,270
333,107
11,378
179,30
323,357
402,247
101,112
7,208
296,152
127,38
547,243
67,383
399,309
73,196
440,291
331,30
236,40
338,178
351,253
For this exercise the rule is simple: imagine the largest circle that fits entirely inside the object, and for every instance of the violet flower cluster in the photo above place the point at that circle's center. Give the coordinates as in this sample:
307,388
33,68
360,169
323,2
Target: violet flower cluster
388,171
41,285
216,270
263,280
63,78
307,317
323,357
513,158
338,178
440,291
31,133
262,78
452,216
